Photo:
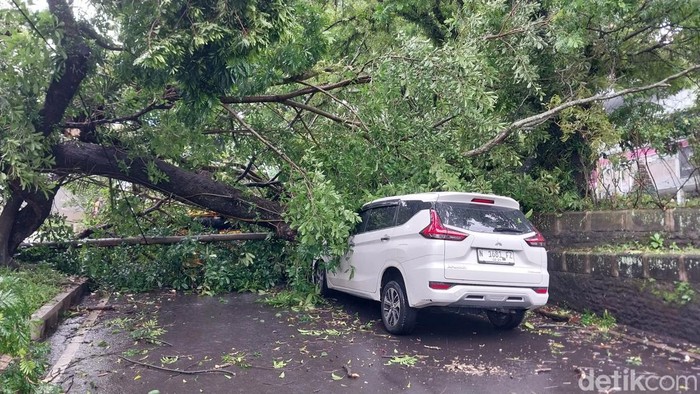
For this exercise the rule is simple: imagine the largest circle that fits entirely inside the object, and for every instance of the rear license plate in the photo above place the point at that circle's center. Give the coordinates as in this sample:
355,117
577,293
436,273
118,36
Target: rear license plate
493,256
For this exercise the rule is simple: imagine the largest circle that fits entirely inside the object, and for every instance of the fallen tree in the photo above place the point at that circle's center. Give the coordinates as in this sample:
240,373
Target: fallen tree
272,116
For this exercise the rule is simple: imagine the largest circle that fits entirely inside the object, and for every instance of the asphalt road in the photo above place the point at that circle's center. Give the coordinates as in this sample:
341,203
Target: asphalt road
233,343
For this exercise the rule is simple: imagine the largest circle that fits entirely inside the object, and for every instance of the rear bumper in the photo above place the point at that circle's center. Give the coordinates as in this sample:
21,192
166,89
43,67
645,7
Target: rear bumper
479,296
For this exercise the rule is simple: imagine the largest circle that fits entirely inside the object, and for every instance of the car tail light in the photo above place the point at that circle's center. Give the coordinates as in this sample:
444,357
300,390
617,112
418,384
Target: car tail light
536,240
439,285
435,230
540,290
482,200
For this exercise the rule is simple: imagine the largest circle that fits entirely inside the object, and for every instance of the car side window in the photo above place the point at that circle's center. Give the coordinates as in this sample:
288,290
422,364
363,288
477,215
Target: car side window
360,226
407,209
381,217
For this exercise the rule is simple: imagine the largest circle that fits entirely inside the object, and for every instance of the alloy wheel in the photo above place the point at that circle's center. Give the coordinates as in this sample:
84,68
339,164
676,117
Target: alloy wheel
392,306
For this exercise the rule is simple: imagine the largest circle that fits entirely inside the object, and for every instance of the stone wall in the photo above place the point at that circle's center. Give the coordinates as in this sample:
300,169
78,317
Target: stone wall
631,287
680,225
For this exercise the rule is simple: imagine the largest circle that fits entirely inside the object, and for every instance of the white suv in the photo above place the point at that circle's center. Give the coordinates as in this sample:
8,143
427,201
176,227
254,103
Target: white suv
444,249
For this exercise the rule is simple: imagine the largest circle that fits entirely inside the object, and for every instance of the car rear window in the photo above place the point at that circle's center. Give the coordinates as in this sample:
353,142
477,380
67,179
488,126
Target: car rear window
483,218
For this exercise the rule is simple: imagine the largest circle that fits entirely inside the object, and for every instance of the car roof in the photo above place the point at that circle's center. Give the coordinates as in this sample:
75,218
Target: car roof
500,201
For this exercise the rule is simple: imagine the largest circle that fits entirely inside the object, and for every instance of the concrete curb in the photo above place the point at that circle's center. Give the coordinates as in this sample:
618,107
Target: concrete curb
45,320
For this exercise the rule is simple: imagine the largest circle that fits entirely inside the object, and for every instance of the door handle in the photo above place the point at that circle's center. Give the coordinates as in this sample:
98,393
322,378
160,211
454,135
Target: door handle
385,238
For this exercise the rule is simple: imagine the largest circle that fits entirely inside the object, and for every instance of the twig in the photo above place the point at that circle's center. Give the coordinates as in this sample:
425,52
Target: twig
554,316
267,143
95,308
280,98
179,371
319,111
349,373
160,341
154,105
341,102
246,170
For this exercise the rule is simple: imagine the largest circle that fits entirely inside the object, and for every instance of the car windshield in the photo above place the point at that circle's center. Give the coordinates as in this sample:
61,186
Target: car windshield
483,218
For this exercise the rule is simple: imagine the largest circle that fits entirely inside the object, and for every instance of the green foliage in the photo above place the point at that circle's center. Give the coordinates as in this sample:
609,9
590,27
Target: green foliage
33,285
294,299
148,331
187,266
23,60
406,361
634,360
679,293
602,323
21,293
656,241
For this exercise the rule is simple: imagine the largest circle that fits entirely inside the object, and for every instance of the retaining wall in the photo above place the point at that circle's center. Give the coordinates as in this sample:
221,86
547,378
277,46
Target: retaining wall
680,225
632,287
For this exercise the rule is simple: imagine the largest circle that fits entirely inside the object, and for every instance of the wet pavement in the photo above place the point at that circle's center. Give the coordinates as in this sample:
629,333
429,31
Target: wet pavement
176,343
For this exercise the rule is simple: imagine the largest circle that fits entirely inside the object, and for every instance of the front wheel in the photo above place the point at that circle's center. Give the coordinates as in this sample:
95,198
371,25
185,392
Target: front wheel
398,317
506,320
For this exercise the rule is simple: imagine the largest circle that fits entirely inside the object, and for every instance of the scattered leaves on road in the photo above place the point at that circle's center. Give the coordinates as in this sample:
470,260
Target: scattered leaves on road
472,369
408,361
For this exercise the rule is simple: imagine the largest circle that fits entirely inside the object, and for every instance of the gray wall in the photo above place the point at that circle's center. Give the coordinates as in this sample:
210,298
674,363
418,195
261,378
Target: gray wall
630,285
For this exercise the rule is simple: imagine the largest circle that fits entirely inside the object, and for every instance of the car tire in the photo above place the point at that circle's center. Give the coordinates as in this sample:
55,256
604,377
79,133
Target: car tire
320,279
506,320
398,317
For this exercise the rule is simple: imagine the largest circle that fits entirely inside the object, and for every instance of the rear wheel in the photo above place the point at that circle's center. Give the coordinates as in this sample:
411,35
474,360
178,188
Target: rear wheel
320,279
506,320
397,316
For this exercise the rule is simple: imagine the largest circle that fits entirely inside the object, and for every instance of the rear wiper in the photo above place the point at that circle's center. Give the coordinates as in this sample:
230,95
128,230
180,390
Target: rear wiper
506,230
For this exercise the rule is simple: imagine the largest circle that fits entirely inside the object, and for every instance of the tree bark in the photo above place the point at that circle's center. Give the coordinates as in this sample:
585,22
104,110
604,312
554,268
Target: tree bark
7,220
25,210
163,240
185,186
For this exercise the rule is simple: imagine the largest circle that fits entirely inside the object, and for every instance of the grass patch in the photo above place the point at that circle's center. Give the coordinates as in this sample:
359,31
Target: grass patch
35,285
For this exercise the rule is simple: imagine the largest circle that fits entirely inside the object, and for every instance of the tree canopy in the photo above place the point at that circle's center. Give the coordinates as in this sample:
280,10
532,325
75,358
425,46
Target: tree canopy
290,114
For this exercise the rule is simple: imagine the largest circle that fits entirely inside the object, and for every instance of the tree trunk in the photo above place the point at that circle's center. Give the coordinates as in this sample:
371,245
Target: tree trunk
183,185
7,221
21,216
26,210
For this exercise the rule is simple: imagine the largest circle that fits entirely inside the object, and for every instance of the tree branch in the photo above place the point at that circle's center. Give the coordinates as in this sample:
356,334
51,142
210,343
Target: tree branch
185,186
89,231
63,88
180,371
535,120
123,119
321,112
103,42
262,139
341,102
280,98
